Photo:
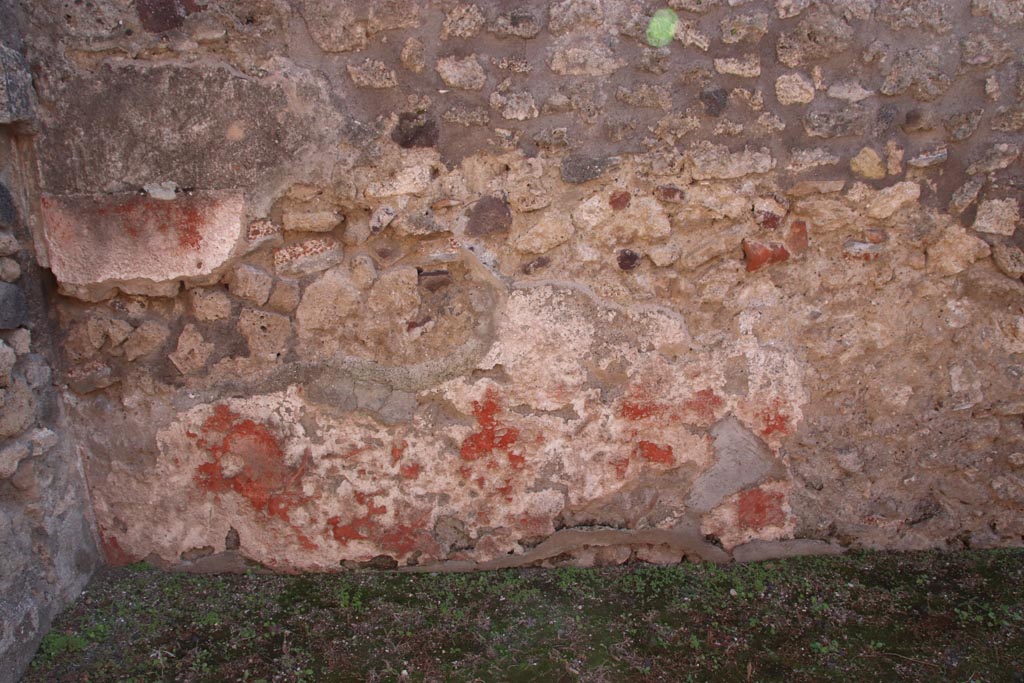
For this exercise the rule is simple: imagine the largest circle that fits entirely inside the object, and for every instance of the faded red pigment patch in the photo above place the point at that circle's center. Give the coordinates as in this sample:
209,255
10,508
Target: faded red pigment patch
621,466
398,450
401,539
704,405
360,528
652,452
263,478
757,509
532,526
639,406
492,435
493,457
640,410
113,552
773,419
182,219
411,471
758,254
506,490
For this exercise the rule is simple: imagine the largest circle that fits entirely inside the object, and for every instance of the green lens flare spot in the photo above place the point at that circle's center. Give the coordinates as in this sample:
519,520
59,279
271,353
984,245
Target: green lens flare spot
662,28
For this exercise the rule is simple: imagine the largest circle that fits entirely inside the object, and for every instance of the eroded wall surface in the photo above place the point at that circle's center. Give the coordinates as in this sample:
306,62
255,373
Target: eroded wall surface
500,283
48,546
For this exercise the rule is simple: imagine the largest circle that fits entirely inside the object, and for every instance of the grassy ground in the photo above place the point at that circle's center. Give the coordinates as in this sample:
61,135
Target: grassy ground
861,617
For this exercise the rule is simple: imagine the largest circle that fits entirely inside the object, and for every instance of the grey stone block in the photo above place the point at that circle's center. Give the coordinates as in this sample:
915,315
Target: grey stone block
13,307
16,94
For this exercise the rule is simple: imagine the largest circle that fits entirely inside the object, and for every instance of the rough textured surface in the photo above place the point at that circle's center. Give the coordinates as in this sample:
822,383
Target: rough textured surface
491,287
139,245
47,541
16,95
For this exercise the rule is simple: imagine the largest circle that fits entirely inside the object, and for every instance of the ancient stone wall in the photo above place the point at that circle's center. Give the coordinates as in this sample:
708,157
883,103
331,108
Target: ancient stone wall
457,284
48,546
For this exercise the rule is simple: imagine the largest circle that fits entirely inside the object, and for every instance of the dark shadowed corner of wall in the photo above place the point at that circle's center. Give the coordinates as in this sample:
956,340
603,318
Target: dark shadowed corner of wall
48,547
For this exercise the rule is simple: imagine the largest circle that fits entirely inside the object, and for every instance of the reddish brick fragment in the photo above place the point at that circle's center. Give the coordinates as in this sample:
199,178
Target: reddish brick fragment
768,220
619,200
758,254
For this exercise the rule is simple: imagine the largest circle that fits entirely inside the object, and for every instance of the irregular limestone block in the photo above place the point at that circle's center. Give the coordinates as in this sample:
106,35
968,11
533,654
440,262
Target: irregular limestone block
250,283
868,164
997,216
8,358
372,73
591,60
17,409
553,229
209,304
266,333
893,198
345,25
745,67
10,455
955,251
311,221
147,338
794,88
285,296
10,270
1009,259
409,180
192,352
717,162
326,303
465,73
8,244
98,243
